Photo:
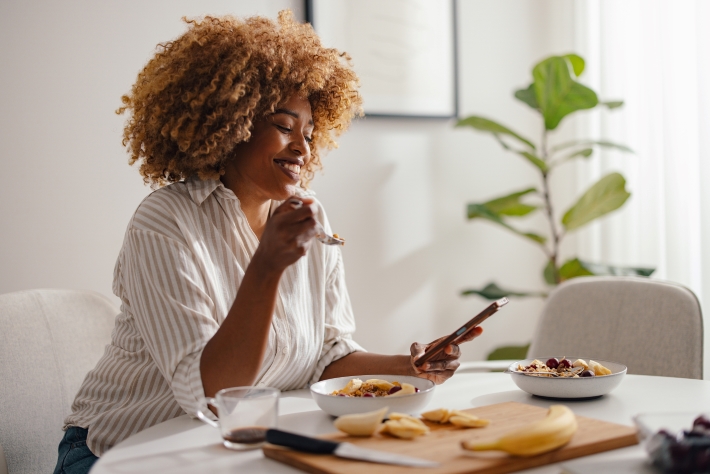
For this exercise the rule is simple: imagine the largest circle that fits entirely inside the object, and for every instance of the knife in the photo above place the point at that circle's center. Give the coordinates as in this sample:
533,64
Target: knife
343,450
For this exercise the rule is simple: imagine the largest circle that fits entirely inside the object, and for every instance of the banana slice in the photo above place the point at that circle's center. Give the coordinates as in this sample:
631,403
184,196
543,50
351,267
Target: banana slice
361,424
407,389
352,386
598,368
440,415
406,428
580,363
464,420
381,384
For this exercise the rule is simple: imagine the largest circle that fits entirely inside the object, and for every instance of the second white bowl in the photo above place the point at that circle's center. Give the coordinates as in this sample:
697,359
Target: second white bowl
562,387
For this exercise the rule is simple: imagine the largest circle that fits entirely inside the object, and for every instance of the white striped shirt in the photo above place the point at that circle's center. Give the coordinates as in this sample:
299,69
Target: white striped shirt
183,258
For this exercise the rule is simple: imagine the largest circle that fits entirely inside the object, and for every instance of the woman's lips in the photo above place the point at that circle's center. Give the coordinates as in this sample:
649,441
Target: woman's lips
292,170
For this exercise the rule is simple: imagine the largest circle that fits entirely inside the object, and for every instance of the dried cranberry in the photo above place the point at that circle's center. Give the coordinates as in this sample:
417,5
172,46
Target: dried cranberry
369,395
416,390
394,389
342,395
564,364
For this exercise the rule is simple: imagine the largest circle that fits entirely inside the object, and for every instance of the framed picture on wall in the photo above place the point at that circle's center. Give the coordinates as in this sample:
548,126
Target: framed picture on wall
404,52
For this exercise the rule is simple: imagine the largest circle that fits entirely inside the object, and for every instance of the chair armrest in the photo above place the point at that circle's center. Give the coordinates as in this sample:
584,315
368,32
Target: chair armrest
484,365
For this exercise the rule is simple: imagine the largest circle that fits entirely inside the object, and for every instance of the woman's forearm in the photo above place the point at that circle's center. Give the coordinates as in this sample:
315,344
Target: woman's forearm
366,363
233,356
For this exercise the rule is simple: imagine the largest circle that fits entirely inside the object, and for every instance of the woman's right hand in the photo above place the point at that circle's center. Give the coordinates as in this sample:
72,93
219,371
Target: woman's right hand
288,234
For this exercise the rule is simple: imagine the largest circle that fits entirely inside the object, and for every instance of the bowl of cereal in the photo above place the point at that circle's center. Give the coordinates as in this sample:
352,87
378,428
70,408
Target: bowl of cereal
364,393
566,377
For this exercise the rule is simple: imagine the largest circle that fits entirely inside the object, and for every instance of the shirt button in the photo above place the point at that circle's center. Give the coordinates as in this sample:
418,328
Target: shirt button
261,384
284,351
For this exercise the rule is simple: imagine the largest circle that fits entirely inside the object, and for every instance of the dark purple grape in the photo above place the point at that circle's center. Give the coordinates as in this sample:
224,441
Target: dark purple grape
394,389
679,454
666,434
552,363
564,364
691,434
416,390
587,373
702,421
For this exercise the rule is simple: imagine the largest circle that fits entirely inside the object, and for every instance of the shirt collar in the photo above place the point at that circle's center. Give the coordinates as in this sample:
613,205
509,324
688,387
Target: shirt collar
200,189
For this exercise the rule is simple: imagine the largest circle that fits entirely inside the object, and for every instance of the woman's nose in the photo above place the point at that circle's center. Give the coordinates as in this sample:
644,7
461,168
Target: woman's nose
300,146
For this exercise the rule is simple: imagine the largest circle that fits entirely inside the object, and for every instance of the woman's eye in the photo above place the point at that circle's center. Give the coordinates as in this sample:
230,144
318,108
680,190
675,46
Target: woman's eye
284,129
309,139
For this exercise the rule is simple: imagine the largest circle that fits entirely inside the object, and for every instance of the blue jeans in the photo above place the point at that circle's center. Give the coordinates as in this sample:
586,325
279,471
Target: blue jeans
74,455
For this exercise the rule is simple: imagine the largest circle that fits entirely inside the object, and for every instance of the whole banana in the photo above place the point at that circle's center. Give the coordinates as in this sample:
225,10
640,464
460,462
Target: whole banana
550,433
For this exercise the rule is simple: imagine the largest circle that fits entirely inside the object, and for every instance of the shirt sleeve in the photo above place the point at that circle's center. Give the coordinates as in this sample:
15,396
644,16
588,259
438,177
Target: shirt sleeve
339,321
166,294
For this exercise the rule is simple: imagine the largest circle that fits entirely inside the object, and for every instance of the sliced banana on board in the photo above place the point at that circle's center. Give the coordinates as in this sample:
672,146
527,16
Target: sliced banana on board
361,424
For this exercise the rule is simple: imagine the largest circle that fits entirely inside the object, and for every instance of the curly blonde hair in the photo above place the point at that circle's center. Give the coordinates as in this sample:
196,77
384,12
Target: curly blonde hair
198,97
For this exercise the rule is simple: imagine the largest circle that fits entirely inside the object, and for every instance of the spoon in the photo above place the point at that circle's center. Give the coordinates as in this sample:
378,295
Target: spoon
321,234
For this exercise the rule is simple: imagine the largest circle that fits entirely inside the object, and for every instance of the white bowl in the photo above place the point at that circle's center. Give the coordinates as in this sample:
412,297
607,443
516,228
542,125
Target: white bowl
563,387
334,405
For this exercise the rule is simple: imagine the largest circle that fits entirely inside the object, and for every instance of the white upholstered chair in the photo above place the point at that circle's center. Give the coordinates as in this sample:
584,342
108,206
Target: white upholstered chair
653,327
49,340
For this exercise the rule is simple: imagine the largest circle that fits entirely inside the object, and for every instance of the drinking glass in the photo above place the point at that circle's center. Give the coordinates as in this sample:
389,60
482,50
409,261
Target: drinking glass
244,414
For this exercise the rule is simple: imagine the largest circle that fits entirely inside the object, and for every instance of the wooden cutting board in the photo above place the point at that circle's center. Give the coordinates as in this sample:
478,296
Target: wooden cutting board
443,445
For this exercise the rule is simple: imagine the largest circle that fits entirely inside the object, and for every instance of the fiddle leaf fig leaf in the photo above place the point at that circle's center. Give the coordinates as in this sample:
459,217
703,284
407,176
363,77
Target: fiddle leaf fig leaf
511,205
485,125
494,292
574,268
481,211
509,353
601,143
576,62
613,104
605,196
537,161
528,96
585,153
557,93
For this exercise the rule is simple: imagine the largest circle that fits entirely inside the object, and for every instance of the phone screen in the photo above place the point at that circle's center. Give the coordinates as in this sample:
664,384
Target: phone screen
473,322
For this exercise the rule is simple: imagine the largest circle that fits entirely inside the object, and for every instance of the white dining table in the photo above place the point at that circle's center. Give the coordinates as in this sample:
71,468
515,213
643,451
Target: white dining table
185,445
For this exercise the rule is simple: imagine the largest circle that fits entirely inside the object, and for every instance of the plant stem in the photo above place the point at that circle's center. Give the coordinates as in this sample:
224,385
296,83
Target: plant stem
550,214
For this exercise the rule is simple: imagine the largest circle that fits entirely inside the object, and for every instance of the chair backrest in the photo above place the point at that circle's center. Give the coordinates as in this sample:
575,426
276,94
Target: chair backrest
49,340
653,327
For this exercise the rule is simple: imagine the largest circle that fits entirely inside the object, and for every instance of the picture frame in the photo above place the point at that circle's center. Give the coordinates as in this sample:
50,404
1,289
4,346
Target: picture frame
404,52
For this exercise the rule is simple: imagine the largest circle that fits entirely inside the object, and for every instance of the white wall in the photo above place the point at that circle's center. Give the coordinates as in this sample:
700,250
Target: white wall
396,189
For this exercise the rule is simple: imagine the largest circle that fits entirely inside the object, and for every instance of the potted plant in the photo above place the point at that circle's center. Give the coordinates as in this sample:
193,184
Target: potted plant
554,94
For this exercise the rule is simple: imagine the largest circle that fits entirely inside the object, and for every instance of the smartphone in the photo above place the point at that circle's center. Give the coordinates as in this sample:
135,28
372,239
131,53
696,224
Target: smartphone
475,321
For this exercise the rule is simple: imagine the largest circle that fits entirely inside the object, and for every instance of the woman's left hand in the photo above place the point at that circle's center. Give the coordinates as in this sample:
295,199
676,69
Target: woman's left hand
442,366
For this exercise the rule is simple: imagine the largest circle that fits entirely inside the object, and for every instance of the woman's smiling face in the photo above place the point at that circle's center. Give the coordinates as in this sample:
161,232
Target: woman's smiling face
268,166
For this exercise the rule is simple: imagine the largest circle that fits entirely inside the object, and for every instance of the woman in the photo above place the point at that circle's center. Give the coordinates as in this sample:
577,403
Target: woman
221,281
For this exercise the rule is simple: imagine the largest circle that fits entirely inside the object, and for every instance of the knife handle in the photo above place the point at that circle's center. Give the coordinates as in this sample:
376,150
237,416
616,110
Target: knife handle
300,443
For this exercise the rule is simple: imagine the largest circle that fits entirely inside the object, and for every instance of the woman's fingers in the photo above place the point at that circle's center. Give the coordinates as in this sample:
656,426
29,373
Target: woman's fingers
470,334
417,349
